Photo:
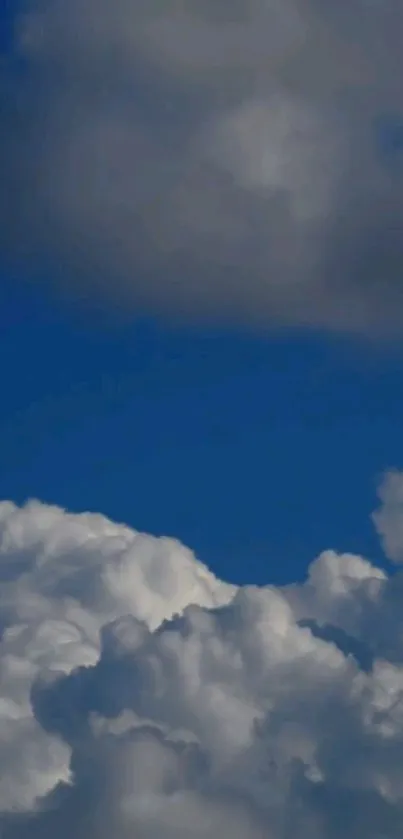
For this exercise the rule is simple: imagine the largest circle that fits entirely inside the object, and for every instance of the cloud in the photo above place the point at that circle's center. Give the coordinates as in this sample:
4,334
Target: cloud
141,696
212,160
388,519
62,579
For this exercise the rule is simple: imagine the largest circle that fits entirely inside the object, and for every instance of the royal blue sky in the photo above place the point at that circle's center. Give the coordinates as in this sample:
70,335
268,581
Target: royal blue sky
258,452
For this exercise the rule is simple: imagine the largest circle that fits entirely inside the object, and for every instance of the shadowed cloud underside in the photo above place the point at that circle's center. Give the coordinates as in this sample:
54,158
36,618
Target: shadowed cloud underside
207,160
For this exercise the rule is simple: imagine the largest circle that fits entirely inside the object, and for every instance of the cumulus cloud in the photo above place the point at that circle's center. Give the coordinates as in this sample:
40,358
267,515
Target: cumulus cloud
389,518
219,160
63,578
141,696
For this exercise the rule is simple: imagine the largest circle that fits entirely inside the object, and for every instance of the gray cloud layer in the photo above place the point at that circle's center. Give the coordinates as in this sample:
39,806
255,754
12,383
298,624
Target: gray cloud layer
209,159
140,696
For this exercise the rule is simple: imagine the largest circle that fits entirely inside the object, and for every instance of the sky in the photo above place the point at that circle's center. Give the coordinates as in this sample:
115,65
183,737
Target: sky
257,451
201,457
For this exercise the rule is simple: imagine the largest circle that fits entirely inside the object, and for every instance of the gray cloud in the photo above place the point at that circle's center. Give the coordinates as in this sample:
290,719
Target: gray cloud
209,160
142,696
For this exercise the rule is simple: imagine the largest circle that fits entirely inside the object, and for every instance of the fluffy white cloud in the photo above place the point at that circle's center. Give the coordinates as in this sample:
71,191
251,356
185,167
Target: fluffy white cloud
389,518
214,158
64,577
141,696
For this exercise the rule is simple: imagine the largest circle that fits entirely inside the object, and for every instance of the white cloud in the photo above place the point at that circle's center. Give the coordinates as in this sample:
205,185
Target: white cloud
62,578
389,517
142,696
209,159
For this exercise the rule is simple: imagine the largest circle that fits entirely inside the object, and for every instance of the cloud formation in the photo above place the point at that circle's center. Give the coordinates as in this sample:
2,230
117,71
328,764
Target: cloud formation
215,160
141,696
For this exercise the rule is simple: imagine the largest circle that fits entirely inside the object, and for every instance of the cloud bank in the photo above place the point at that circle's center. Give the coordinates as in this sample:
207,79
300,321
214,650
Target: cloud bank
141,696
215,160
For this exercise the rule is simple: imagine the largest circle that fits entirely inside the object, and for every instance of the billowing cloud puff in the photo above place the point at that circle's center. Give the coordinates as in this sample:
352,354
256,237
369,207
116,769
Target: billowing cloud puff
389,518
140,696
62,579
209,159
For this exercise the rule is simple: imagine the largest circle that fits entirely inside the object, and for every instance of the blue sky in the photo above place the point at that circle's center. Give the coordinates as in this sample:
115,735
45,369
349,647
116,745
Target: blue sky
258,452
